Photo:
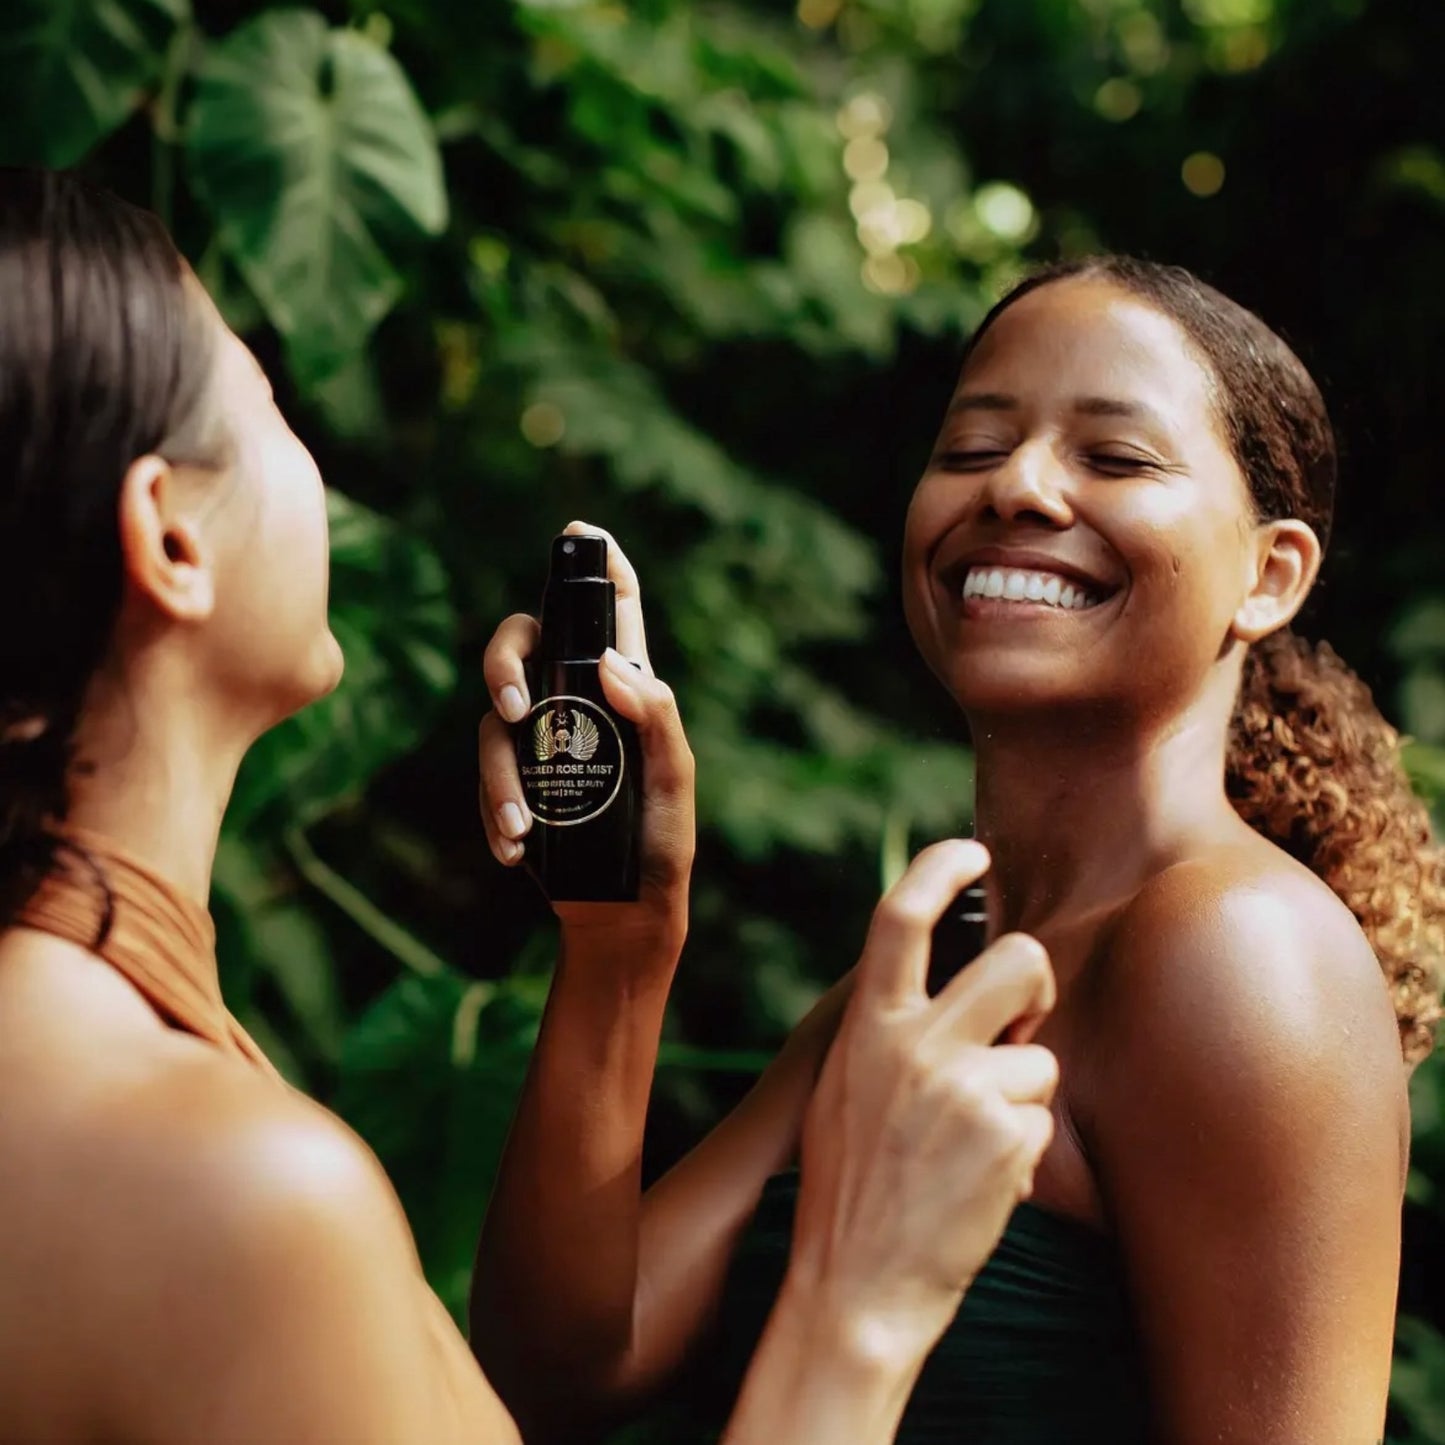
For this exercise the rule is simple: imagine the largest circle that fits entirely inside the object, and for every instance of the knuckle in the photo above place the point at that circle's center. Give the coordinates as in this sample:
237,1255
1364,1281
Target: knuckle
902,913
1027,952
1042,1063
972,1096
1048,1073
1041,1135
685,770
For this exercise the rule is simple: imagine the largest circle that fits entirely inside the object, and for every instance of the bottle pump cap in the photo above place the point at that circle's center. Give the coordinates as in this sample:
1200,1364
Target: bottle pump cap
579,606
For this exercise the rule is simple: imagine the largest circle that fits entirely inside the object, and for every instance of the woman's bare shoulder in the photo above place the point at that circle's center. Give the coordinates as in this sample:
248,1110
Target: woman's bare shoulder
1240,965
99,1086
1247,924
165,1199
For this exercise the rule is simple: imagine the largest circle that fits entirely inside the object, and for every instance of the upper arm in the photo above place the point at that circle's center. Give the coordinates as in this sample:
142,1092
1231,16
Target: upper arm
275,1295
1246,1133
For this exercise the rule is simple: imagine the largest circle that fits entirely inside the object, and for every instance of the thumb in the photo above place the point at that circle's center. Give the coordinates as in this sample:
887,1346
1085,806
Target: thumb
649,704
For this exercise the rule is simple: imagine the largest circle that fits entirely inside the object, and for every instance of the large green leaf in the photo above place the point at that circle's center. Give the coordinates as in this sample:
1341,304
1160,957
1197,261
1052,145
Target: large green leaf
311,150
392,613
265,926
75,70
429,1078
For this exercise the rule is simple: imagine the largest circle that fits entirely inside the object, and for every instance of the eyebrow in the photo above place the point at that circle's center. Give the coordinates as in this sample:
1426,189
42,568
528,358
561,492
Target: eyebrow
1083,406
983,401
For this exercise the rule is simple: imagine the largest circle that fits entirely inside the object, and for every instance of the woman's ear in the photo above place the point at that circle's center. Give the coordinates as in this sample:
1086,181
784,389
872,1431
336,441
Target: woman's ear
1287,561
162,551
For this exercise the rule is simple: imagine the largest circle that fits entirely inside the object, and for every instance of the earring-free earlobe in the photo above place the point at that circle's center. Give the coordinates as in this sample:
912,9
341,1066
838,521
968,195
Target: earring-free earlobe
1289,562
164,555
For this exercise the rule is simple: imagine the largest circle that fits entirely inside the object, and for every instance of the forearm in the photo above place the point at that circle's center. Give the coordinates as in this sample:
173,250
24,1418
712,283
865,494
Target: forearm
693,1217
556,1273
821,1377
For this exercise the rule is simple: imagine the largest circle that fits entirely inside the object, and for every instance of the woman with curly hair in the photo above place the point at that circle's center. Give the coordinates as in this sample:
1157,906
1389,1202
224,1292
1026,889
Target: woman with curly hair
1205,821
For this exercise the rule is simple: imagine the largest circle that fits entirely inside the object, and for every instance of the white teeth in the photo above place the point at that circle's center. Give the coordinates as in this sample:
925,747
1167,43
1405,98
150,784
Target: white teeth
1014,584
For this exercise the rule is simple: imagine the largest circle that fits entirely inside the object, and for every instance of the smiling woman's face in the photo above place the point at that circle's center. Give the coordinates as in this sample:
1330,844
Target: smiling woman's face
1082,533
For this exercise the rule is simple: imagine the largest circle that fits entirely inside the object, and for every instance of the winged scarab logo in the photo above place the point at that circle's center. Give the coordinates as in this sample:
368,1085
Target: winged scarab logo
564,732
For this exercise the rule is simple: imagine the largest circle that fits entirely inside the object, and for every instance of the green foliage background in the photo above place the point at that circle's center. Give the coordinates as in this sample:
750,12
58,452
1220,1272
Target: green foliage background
700,273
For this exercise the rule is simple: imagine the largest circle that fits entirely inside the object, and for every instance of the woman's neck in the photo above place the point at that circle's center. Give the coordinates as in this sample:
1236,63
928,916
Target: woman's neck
154,775
1077,818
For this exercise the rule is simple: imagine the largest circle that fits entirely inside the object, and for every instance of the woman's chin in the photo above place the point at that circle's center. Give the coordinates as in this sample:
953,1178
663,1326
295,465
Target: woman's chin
317,678
331,666
998,686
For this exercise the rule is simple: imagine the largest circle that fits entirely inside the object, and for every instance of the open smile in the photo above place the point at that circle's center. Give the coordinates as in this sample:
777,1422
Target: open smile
1029,587
1014,584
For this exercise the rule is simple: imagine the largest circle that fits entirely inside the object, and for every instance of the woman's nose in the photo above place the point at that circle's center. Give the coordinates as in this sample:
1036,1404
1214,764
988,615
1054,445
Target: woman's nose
1031,484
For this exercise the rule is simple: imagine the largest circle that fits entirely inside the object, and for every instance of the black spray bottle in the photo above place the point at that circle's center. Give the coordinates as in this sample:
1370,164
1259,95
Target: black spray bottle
959,936
580,762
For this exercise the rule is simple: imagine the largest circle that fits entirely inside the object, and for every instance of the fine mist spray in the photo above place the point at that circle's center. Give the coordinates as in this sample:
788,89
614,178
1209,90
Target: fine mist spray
580,762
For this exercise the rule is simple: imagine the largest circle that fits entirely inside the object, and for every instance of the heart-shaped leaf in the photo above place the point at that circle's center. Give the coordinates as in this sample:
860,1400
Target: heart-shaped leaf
391,611
429,1078
314,155
75,70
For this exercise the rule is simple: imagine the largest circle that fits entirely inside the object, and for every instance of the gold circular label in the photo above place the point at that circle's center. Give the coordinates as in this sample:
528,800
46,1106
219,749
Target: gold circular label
570,756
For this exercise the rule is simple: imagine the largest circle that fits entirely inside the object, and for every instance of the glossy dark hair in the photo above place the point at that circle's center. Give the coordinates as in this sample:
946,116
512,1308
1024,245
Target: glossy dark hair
1311,764
106,356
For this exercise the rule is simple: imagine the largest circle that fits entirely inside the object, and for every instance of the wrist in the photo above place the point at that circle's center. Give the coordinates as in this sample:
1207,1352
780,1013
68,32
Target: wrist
622,940
881,1341
823,1374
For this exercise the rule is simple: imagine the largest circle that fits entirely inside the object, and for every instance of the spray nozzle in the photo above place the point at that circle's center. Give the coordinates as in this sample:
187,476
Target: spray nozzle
579,607
578,557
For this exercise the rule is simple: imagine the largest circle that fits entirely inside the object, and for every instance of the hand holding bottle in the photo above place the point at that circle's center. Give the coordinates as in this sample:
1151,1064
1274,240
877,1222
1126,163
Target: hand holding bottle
665,838
922,1135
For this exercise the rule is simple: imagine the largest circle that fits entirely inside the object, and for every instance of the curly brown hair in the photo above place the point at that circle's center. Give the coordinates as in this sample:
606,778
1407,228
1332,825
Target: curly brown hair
1311,764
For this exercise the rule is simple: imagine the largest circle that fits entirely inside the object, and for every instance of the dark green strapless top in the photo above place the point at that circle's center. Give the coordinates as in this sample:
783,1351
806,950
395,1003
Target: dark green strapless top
1043,1351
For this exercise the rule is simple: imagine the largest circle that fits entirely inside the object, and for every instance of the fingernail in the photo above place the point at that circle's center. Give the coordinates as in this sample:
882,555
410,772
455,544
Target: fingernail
509,850
511,704
510,820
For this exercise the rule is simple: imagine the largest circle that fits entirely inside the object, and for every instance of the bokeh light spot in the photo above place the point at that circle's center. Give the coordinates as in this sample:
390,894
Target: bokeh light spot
865,158
866,114
1203,174
543,424
890,274
869,196
818,14
1118,99
1004,210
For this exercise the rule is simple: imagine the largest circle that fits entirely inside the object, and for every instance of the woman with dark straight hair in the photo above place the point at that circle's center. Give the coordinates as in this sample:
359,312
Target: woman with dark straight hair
190,1251
1205,821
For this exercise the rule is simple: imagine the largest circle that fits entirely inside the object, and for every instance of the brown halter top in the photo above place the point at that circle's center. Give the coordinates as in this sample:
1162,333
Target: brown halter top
108,901
115,906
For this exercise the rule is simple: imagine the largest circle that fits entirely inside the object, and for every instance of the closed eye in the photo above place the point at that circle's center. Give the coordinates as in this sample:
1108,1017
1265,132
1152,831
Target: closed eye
1118,464
970,461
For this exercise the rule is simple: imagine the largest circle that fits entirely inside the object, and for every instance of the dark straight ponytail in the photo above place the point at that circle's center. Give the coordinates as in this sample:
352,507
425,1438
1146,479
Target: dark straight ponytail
105,357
